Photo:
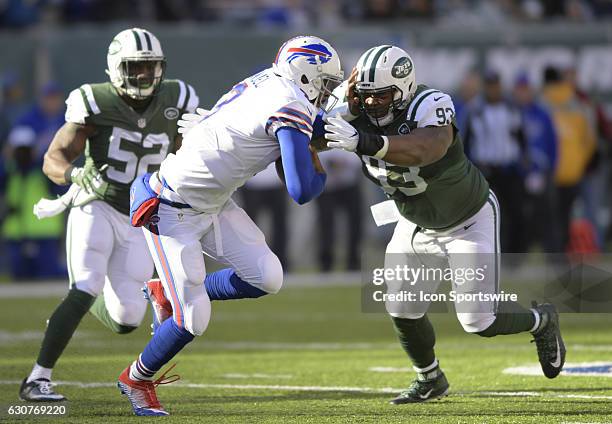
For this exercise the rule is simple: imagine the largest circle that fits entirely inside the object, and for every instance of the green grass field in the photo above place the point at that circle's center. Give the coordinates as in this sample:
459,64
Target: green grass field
307,355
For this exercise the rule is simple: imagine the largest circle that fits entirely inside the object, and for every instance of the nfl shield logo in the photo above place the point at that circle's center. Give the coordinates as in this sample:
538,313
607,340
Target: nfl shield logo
142,123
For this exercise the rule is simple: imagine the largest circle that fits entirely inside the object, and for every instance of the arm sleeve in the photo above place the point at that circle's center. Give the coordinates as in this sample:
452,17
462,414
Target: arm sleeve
318,126
302,181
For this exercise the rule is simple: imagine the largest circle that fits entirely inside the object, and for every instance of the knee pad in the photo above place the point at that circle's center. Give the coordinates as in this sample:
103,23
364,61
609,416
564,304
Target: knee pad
129,314
91,283
196,313
476,323
271,272
193,264
406,315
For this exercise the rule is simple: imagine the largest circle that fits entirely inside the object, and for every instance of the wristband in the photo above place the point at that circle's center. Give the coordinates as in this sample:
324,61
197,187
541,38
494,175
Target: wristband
383,151
371,144
68,174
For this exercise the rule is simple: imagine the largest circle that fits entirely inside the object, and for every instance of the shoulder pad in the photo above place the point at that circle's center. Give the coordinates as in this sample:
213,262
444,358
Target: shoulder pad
80,104
431,108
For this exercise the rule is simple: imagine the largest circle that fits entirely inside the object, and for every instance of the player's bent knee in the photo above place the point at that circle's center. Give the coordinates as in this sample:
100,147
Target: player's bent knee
92,283
480,324
407,315
130,314
271,272
197,315
193,261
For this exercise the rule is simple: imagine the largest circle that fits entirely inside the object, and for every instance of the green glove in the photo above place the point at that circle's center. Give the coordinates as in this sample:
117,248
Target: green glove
89,178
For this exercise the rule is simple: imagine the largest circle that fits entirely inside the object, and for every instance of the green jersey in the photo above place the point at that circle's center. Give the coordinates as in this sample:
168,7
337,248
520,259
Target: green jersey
130,143
436,196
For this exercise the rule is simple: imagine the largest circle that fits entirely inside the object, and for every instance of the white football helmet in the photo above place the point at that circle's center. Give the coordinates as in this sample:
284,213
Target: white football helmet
384,68
311,63
136,63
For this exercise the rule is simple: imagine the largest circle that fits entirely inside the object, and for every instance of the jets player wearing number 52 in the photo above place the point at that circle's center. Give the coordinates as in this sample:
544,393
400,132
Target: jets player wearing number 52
125,128
408,141
186,208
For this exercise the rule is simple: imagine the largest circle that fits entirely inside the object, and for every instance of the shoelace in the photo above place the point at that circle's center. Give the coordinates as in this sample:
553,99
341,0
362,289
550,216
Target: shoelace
415,384
167,380
161,380
45,387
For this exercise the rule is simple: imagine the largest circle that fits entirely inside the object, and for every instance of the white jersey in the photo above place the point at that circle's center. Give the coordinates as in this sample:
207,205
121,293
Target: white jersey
237,140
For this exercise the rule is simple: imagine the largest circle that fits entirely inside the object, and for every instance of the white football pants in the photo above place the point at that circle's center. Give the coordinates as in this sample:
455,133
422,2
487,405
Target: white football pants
230,237
472,244
106,254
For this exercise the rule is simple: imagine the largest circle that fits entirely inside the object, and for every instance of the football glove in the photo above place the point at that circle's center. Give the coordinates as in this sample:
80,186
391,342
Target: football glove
344,136
89,178
190,120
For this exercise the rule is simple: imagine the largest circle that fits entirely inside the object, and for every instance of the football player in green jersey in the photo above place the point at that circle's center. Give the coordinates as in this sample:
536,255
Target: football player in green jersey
125,128
407,139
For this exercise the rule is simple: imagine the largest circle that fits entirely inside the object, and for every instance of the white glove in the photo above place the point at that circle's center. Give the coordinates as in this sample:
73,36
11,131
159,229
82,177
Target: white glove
46,208
190,120
342,134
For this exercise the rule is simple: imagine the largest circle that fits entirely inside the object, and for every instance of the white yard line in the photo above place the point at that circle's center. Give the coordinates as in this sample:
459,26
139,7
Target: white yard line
327,389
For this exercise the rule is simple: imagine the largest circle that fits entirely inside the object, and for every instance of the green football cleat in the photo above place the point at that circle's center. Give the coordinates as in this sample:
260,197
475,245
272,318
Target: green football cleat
423,390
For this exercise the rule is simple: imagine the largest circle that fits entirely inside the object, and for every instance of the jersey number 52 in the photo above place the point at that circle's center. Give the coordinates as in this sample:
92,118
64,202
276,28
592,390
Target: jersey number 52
136,160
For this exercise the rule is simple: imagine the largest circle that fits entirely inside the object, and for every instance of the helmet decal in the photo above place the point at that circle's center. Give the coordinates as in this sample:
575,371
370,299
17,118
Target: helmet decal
402,67
311,52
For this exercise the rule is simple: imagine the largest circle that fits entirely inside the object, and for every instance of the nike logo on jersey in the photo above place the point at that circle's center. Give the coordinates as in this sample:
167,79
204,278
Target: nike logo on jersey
437,98
557,362
467,227
426,395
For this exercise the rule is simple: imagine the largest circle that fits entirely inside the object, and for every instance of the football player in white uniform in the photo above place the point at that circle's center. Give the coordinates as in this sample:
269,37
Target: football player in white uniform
186,207
448,219
126,126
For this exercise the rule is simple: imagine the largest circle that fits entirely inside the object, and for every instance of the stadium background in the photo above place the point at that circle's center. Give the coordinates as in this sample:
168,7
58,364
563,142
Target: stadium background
212,45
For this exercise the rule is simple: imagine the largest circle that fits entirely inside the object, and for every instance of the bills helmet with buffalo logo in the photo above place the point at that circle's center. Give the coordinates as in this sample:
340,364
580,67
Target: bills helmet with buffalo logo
311,63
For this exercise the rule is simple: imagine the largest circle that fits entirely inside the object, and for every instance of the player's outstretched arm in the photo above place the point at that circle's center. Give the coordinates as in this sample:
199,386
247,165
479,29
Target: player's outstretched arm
67,145
419,148
304,176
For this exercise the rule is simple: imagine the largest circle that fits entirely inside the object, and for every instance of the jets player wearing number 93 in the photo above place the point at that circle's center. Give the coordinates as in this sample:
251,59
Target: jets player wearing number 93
125,128
407,139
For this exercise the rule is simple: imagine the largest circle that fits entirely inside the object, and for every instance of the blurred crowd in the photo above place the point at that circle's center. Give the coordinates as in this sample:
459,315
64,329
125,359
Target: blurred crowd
297,14
545,151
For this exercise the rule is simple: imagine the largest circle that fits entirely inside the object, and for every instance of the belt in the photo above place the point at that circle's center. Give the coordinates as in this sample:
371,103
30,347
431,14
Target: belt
165,193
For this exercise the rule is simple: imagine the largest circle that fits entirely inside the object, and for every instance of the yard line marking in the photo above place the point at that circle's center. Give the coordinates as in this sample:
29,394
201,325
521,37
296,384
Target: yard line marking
256,375
327,389
575,369
390,369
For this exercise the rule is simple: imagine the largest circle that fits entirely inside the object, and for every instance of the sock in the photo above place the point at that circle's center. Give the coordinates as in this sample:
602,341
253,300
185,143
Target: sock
99,310
62,325
167,341
511,318
417,337
430,372
538,320
138,371
226,285
40,372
